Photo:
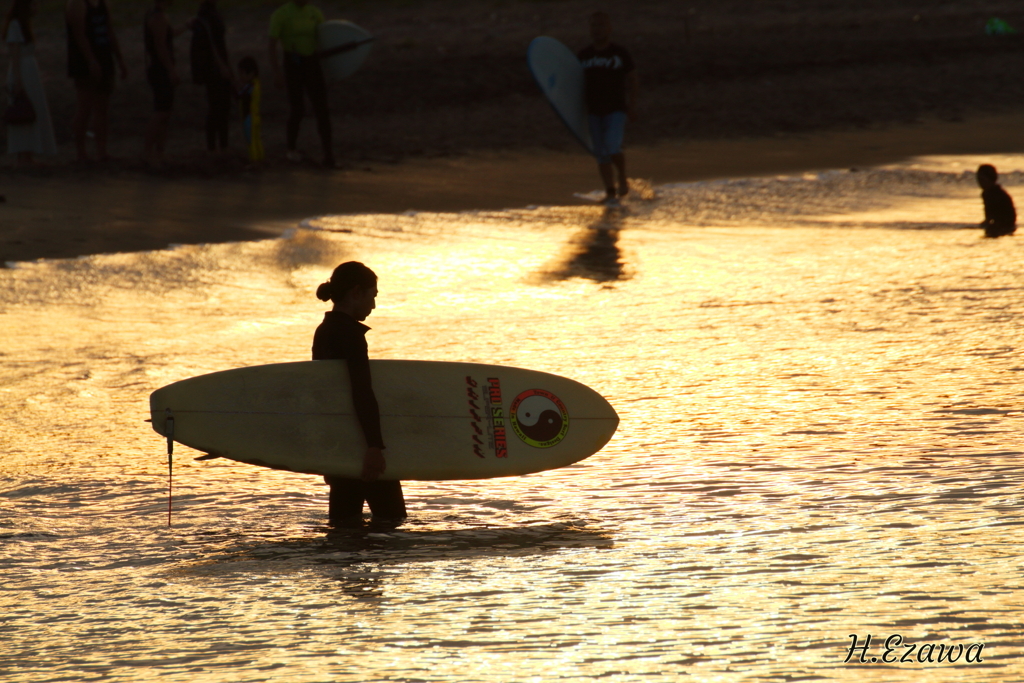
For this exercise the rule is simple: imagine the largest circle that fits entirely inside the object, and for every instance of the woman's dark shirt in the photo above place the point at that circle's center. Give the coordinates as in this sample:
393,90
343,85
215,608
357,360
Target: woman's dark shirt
341,337
97,34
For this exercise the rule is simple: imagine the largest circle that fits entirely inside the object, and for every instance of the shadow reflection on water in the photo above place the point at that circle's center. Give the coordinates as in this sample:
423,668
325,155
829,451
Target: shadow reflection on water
346,547
593,253
891,225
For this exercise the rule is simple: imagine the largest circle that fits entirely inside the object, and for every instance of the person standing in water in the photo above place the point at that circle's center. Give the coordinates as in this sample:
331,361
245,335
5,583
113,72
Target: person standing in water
342,336
611,93
1000,215
294,25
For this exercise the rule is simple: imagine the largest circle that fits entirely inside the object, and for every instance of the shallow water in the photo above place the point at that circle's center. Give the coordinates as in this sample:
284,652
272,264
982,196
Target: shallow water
817,378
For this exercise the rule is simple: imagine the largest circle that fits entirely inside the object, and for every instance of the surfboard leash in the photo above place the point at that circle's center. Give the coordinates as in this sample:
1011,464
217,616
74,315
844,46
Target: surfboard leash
169,432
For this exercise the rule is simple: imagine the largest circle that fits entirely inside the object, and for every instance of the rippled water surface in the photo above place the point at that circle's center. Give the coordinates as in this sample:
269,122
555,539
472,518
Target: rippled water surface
818,380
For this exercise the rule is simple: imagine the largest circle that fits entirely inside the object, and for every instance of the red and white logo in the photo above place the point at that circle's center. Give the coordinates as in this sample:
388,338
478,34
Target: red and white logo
539,418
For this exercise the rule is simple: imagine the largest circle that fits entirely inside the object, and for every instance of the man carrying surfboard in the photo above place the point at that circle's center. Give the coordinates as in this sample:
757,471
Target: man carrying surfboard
294,26
611,93
342,336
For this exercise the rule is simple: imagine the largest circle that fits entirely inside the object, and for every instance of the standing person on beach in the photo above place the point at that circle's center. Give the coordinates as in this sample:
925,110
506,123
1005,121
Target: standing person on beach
342,336
162,75
294,26
611,93
92,51
1000,214
211,67
23,76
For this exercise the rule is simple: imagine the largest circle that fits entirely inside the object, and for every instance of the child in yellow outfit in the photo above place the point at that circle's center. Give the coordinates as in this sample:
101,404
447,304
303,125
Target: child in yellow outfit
249,73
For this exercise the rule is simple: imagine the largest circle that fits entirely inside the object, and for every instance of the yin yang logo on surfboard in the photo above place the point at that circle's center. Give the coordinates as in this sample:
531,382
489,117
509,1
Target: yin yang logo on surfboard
539,418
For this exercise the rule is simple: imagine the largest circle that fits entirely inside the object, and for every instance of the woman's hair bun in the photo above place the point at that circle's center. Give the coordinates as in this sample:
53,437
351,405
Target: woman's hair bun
346,276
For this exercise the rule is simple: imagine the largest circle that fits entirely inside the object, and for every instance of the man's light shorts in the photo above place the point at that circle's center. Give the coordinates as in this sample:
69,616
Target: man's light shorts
607,133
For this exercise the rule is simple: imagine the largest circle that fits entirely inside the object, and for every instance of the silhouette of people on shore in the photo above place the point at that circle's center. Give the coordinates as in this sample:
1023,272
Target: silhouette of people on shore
1000,215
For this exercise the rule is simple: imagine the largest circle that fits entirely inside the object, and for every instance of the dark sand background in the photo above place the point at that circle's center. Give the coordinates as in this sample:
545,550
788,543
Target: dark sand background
445,116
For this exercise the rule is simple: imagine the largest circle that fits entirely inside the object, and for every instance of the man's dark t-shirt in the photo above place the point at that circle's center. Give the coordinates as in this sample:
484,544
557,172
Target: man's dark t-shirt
342,337
1000,216
605,76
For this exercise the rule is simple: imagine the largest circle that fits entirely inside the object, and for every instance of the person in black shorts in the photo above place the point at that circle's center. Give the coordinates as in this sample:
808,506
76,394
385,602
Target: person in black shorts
611,92
92,52
1000,215
342,336
162,75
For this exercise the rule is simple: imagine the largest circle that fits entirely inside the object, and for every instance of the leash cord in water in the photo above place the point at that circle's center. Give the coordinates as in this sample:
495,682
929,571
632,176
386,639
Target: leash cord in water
169,431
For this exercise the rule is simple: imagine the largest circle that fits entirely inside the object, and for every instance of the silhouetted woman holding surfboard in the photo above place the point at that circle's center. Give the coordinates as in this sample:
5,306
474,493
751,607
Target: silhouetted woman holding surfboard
342,336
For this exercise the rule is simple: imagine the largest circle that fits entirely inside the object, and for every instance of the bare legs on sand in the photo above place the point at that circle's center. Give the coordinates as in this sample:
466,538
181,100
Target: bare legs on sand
93,107
156,139
618,163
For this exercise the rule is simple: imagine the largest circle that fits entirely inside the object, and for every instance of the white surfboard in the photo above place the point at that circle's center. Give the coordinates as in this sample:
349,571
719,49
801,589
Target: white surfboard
343,48
559,75
439,420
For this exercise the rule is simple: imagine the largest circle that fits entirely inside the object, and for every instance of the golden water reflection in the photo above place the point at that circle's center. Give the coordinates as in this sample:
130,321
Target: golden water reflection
817,381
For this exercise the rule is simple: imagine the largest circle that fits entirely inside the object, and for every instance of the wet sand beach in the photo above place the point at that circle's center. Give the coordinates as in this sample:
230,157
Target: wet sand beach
117,211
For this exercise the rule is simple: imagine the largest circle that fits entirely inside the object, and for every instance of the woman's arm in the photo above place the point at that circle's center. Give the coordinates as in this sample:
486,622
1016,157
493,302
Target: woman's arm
221,52
159,28
15,52
632,90
368,412
275,62
115,46
75,14
224,64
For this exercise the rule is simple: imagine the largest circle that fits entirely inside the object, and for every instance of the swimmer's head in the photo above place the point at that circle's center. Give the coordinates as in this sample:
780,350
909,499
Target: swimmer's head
986,175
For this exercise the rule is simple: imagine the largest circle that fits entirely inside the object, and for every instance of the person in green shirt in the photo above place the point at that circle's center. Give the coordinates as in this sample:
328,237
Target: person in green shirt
293,26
